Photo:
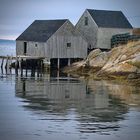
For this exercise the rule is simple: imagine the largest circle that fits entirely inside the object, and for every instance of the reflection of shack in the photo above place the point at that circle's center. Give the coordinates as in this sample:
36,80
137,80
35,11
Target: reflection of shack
68,92
96,110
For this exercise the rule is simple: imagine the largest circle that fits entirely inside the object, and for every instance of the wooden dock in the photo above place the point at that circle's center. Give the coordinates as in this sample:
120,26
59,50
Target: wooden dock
22,57
21,61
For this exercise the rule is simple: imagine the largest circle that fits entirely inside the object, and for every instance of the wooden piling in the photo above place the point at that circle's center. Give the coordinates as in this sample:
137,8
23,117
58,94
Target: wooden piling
2,62
16,66
21,72
41,65
19,63
2,70
69,62
58,64
26,67
10,62
35,63
6,65
16,63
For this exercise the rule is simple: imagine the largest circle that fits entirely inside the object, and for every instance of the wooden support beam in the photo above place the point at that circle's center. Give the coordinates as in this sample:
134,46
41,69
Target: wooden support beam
16,63
2,62
68,61
26,67
10,62
2,70
58,63
6,65
19,62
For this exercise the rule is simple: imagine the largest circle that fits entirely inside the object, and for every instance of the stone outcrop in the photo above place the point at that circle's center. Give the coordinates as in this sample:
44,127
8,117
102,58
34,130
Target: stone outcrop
121,60
124,59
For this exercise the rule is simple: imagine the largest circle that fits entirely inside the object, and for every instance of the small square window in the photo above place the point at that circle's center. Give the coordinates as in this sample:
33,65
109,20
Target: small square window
35,45
68,45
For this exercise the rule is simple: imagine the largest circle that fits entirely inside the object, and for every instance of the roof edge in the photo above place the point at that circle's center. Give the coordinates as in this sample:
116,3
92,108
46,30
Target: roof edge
65,20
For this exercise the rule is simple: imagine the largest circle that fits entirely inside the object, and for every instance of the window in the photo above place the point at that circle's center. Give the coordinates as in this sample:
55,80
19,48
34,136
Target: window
35,45
86,21
68,45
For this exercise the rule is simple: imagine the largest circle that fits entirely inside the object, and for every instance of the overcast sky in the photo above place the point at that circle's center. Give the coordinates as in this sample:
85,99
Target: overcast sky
17,15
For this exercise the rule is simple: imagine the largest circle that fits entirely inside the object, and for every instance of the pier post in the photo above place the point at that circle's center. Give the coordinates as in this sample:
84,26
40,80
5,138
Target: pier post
42,67
68,61
21,72
21,66
16,66
41,64
38,67
2,62
16,63
58,63
26,67
6,65
2,70
19,63
10,63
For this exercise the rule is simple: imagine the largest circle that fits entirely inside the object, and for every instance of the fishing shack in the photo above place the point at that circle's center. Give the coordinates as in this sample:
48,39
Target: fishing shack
56,41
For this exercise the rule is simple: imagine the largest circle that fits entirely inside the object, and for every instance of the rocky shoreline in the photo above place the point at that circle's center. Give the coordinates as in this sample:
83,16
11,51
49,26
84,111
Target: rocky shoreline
120,63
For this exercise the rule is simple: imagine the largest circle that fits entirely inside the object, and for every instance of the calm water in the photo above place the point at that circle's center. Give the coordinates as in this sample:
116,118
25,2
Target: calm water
7,47
52,108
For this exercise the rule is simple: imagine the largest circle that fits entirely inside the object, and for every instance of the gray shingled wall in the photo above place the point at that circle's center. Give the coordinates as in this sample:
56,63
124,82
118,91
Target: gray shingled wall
100,37
56,45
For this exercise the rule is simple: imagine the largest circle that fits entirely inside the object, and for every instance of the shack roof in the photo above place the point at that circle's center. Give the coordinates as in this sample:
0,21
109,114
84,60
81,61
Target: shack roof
41,30
109,19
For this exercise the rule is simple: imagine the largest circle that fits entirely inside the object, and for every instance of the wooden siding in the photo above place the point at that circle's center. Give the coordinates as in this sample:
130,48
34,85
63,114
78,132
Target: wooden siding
95,36
89,32
19,47
105,34
56,46
33,48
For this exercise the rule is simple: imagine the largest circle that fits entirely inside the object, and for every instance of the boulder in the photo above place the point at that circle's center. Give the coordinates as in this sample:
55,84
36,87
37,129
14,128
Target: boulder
125,58
93,54
100,60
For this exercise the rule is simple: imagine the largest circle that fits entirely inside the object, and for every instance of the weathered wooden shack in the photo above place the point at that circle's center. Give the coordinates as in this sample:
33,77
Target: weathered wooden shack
98,26
55,40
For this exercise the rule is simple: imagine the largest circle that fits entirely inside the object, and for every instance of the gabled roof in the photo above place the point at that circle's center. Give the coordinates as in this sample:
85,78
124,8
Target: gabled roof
41,30
109,19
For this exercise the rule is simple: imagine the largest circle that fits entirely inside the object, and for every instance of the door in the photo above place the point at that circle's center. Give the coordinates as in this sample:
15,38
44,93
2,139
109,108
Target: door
25,48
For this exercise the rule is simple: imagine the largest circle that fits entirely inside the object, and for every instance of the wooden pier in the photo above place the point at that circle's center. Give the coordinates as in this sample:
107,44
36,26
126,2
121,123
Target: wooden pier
21,63
33,63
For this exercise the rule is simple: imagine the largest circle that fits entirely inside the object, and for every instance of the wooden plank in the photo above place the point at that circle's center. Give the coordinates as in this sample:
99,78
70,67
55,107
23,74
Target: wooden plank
23,57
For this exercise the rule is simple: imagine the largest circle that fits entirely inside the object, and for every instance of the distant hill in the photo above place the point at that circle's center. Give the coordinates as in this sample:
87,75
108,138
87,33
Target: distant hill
6,41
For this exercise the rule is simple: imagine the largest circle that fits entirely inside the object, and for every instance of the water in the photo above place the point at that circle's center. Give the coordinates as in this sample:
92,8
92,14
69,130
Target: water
49,107
7,47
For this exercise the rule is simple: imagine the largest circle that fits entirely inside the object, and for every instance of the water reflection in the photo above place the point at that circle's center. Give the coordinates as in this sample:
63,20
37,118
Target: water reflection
95,109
